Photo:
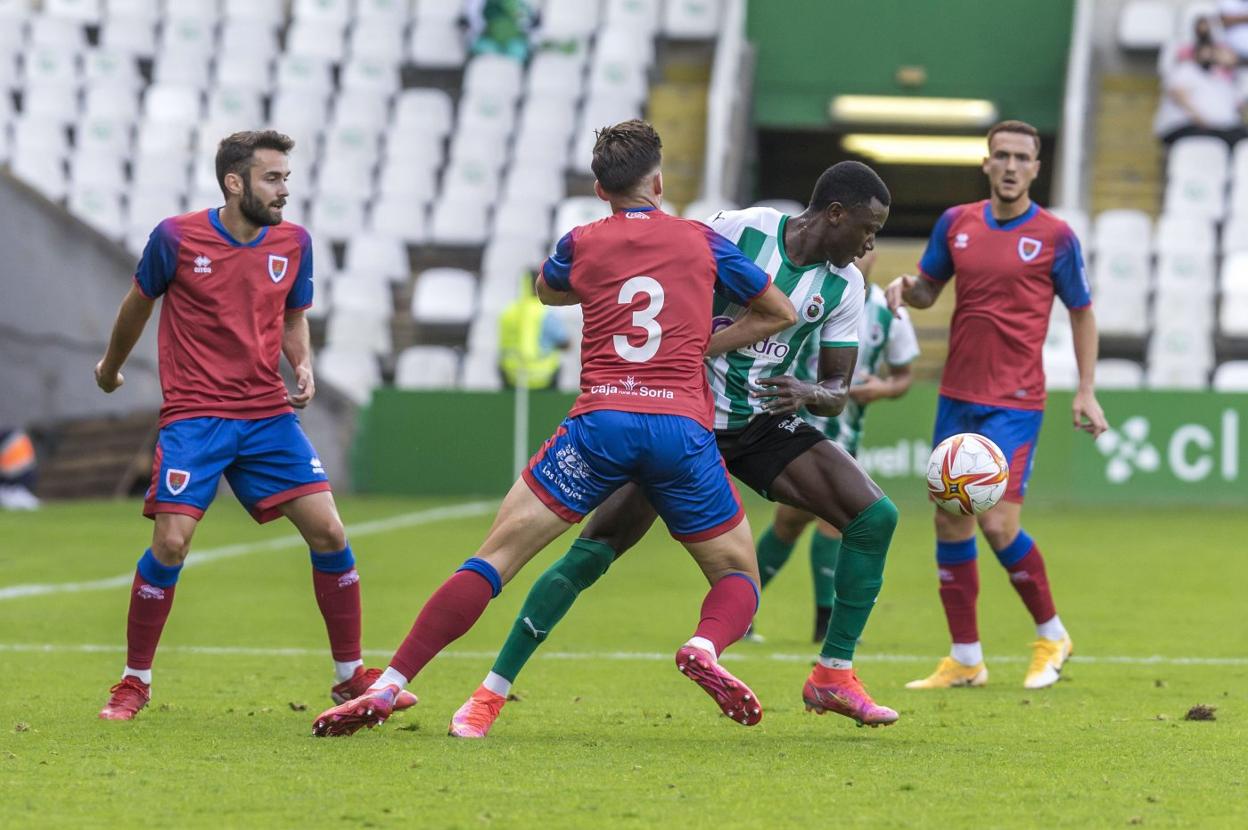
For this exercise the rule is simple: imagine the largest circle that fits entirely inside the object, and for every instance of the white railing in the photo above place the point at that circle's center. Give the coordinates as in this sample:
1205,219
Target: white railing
723,103
1075,110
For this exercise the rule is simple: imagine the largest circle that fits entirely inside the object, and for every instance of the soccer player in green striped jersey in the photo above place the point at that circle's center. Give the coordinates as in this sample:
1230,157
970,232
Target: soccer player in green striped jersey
765,443
885,341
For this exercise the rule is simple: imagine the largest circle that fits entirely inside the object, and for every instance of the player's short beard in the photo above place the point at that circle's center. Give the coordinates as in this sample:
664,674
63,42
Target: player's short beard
255,211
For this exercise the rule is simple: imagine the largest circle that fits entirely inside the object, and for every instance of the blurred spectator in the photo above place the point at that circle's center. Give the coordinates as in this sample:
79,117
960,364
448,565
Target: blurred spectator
500,27
1199,98
1234,15
530,336
17,471
1203,35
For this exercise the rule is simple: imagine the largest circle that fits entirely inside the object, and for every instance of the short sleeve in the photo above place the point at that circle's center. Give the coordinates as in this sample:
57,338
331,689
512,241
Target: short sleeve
726,223
557,269
903,344
1070,278
300,295
737,278
937,260
159,261
840,328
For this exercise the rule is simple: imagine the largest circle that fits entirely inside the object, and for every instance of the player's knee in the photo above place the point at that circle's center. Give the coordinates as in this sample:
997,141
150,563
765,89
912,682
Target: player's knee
872,529
999,529
586,562
170,546
326,534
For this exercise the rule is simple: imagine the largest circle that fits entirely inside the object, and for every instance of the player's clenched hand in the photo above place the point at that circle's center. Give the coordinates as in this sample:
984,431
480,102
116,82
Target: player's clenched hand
1088,414
305,388
782,395
895,293
108,381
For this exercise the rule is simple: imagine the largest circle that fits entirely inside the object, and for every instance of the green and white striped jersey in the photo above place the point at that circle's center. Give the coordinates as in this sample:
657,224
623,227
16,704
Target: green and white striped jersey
828,301
882,338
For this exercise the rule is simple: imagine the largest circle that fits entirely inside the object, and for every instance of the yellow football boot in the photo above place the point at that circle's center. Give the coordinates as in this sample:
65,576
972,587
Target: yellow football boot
950,674
1047,659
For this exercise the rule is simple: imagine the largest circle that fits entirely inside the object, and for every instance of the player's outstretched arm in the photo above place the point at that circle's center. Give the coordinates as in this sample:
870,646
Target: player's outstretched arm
1087,412
913,291
769,313
297,346
131,319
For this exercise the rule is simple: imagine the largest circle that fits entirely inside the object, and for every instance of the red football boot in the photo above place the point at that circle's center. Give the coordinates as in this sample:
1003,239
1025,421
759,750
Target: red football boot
734,698
358,683
369,709
126,699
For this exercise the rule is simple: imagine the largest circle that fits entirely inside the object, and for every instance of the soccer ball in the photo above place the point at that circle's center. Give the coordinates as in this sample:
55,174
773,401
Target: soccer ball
967,474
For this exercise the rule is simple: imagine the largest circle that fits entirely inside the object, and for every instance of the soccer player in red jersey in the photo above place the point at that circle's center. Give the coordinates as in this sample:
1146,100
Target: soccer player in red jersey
645,281
1011,257
235,281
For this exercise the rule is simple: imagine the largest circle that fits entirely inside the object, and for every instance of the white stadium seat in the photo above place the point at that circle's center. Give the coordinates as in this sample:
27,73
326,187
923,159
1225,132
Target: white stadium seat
42,136
427,367
1123,283
148,208
86,12
50,65
59,33
306,74
337,215
316,39
556,76
1233,315
262,12
1119,229
378,255
691,19
43,171
577,210
99,207
134,35
631,16
241,109
1119,374
103,102
399,177
402,217
444,296
171,105
1182,233
1188,272
351,369
112,68
436,44
96,169
392,13
480,370
378,39
564,20
146,9
435,10
1231,376
428,110
1145,25
494,74
361,109
362,292
57,102
459,222
369,75
356,329
521,219
188,35
337,12
1179,359
534,186
241,39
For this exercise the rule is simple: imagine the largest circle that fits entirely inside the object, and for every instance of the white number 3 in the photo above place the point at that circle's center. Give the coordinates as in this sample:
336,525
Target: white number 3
642,319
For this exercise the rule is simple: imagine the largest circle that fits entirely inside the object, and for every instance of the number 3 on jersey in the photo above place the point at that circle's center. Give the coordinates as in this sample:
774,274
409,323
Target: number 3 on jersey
643,319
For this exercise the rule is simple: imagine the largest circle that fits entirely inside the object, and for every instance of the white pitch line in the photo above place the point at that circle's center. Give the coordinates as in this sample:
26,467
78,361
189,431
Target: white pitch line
641,656
203,557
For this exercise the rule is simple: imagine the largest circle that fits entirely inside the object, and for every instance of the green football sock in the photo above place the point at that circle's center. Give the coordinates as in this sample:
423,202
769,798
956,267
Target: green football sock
549,599
824,551
773,552
859,575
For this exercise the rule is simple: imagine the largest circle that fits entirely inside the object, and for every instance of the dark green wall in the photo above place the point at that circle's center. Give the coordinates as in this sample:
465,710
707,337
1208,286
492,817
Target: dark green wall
1012,52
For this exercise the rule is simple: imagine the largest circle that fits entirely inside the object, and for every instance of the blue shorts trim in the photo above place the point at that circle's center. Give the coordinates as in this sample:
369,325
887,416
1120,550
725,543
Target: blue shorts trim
1015,431
267,462
674,459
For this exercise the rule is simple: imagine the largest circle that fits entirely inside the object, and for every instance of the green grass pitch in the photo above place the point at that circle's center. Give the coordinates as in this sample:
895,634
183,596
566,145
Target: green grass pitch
606,732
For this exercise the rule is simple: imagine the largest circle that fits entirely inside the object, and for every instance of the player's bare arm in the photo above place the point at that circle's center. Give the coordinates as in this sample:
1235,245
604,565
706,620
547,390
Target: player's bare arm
786,394
1086,411
913,291
874,388
769,313
552,296
297,346
131,319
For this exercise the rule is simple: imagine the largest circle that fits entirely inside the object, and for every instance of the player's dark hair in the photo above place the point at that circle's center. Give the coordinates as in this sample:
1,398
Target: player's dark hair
235,152
851,183
625,154
1015,127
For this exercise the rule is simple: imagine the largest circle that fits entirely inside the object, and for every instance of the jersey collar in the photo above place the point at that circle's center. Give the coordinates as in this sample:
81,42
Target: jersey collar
784,255
991,222
215,219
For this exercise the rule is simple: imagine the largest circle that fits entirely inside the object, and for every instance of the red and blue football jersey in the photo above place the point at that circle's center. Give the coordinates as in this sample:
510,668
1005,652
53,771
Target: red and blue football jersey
222,319
1008,274
646,280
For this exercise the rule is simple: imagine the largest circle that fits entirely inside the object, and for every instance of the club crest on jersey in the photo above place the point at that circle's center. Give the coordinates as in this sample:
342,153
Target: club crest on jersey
277,267
176,480
1028,248
961,240
814,309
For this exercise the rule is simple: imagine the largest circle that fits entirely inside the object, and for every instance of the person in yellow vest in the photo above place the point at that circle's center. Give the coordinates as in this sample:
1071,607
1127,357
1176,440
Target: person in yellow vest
530,339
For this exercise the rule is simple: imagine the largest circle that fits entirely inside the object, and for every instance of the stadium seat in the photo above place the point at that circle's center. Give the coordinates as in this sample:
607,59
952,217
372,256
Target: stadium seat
1231,376
1199,154
402,217
1119,374
356,329
618,76
498,291
1196,193
535,186
427,367
57,102
86,12
438,11
98,170
183,69
146,9
58,33
305,74
444,296
393,13
635,16
398,177
134,35
240,109
522,219
485,114
50,65
263,12
42,136
1185,234
547,150
188,35
370,75
148,208
470,180
164,170
480,371
319,39
483,333
568,20
43,171
337,12
436,44
357,145
242,39
376,41
1179,358
379,256
99,207
427,110
569,372
555,76
1123,283
299,115
691,19
362,292
361,109
577,210
322,301
510,257
1123,229
111,67
1145,25
493,74
351,369
703,209
1188,272
1233,315
177,105
105,102
337,215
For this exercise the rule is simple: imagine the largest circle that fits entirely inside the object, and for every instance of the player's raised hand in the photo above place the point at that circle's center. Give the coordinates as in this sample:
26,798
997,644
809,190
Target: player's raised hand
106,380
782,395
1088,415
305,388
895,293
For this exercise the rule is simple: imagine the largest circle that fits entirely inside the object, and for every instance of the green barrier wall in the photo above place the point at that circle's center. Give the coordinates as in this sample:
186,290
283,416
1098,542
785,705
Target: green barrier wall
1165,447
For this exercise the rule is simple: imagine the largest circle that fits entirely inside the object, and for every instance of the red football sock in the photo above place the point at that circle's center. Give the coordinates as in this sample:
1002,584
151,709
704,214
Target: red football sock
338,597
149,608
727,611
1029,578
447,616
959,591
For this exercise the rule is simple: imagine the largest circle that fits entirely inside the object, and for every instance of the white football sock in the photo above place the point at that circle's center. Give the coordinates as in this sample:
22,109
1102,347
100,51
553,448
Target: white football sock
1052,629
142,674
835,663
344,671
705,645
389,677
968,654
497,684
